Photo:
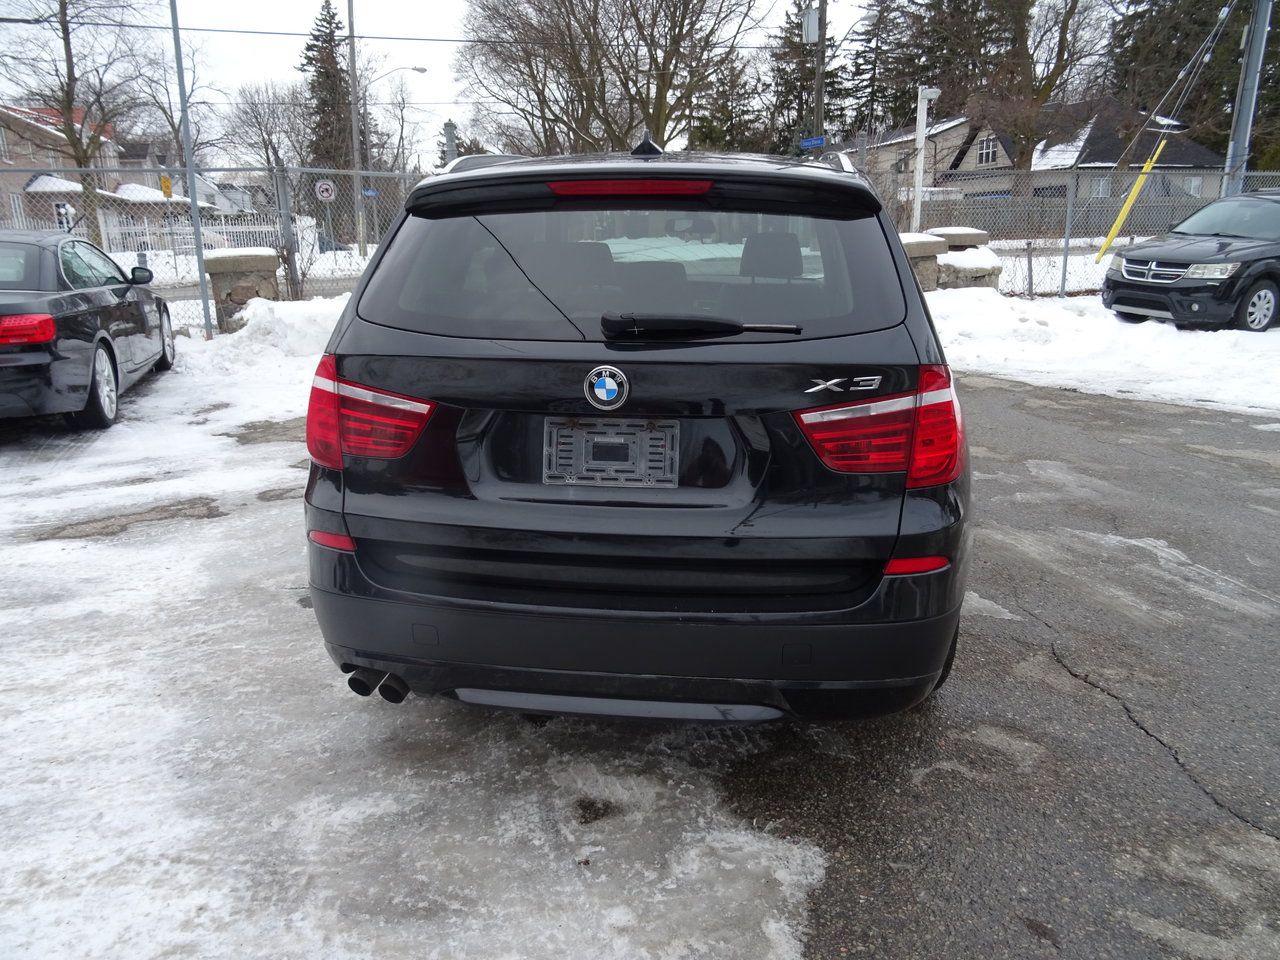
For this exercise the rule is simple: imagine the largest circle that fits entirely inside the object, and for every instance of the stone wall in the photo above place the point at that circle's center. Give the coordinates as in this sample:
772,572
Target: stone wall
237,276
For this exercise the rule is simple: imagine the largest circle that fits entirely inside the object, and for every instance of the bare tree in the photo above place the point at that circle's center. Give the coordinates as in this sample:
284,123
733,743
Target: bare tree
1049,48
77,65
267,124
397,140
162,112
584,75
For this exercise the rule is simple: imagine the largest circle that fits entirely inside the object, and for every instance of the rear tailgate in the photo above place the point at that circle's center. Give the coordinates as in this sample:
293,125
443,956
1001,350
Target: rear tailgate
753,522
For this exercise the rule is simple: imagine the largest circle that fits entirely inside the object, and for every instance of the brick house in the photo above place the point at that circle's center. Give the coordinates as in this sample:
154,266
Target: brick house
31,138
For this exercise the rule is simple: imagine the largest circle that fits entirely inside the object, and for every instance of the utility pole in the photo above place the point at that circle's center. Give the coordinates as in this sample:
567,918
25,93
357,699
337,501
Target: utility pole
357,188
196,235
1255,43
923,97
819,70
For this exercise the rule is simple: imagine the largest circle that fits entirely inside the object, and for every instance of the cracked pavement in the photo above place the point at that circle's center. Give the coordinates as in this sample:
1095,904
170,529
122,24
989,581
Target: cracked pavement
1097,780
1100,776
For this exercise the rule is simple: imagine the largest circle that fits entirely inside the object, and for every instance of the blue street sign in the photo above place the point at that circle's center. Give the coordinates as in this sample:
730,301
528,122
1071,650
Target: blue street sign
808,143
369,192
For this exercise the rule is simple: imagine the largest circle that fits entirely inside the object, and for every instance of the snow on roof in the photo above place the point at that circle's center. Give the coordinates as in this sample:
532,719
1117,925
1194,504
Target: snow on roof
47,183
1061,156
27,116
904,134
139,193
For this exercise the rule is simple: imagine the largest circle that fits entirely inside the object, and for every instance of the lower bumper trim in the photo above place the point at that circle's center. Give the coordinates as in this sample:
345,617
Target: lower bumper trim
613,707
1145,311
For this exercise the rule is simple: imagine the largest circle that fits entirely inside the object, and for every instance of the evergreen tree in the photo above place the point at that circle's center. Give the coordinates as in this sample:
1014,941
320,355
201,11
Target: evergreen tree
905,44
328,92
732,113
791,72
1152,40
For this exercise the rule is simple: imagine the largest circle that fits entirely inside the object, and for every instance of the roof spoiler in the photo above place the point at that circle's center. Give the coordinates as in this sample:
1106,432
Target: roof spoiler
837,197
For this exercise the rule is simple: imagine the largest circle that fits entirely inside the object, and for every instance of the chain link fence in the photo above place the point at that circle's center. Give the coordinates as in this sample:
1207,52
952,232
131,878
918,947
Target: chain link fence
1047,226
307,217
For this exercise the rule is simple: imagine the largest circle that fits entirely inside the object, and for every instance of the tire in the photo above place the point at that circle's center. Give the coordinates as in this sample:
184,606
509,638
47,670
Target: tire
103,406
1130,317
1259,307
168,349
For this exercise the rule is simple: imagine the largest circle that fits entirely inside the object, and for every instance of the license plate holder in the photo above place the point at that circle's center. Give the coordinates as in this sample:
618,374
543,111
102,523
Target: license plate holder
610,452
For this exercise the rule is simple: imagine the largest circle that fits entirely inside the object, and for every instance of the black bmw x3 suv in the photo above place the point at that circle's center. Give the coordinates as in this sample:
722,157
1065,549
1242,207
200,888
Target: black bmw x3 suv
661,437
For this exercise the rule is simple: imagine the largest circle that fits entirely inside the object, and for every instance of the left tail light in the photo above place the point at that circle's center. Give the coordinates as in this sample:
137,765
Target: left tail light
918,433
345,418
27,328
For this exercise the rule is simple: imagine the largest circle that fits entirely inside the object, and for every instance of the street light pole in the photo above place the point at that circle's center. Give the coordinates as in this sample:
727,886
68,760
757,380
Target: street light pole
356,187
192,198
923,98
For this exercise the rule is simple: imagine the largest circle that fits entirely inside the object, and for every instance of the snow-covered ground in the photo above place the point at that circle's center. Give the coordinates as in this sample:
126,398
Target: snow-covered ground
185,774
1076,342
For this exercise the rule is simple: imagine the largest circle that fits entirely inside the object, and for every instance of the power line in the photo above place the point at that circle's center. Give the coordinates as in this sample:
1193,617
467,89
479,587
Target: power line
241,31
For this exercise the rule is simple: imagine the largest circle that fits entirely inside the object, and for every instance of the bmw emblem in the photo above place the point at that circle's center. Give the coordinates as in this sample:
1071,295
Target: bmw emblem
607,388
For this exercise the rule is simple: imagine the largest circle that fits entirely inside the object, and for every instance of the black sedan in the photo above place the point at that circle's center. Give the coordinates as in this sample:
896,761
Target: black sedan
1220,266
75,332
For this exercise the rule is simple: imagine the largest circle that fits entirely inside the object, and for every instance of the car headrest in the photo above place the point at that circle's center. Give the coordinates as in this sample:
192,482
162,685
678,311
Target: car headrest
771,255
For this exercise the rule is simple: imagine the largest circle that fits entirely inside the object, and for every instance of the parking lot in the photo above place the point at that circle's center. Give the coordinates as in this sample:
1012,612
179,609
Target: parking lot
187,775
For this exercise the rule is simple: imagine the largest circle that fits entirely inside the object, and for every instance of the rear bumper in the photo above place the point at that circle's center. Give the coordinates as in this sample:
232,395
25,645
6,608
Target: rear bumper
1182,302
444,648
34,383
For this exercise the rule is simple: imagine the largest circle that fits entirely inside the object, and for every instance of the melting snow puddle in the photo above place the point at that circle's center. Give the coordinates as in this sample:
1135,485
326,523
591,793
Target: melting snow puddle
203,785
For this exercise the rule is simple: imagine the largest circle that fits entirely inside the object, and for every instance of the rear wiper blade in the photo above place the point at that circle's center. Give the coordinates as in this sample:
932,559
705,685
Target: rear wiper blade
667,326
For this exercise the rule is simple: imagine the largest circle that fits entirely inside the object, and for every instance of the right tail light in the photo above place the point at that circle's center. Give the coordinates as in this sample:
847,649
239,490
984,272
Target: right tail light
918,433
346,418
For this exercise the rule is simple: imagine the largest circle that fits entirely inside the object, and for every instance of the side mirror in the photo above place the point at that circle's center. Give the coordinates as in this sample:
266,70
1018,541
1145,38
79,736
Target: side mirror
140,275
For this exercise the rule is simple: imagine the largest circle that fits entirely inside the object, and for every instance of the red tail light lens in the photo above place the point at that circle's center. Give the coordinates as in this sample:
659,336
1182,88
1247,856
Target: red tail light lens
27,328
629,188
937,449
900,566
359,421
873,436
919,433
334,541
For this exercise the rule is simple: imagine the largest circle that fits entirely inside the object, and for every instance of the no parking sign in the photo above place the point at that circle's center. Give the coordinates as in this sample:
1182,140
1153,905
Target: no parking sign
325,190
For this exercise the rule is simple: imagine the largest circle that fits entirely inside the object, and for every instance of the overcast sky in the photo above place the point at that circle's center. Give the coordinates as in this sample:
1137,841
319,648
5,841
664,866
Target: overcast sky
232,60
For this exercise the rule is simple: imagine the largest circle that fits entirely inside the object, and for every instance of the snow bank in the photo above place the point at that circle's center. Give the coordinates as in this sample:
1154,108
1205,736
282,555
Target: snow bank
1076,342
290,329
231,252
972,258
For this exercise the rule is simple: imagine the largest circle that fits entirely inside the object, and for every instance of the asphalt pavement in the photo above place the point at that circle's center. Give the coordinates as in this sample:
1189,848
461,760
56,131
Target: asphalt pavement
186,774
1101,775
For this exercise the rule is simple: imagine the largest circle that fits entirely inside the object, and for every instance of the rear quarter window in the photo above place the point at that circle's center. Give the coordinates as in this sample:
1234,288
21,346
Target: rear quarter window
19,266
550,275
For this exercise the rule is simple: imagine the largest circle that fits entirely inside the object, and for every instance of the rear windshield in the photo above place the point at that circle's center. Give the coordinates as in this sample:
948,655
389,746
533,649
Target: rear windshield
19,266
550,275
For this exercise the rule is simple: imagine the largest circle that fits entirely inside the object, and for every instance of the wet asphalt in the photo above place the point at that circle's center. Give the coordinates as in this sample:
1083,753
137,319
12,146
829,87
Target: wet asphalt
1101,775
1100,778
